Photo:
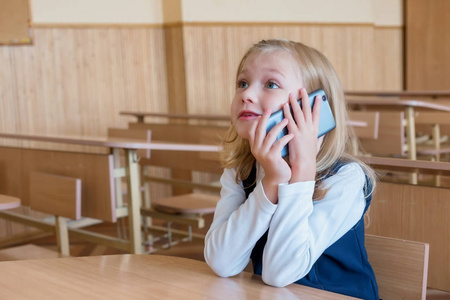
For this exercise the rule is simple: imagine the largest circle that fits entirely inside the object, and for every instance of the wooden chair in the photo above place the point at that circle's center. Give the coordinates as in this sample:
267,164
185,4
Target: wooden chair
400,266
437,125
56,195
59,196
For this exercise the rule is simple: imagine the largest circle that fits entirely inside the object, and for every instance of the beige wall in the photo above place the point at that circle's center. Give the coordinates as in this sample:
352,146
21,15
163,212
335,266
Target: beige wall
97,11
380,12
383,12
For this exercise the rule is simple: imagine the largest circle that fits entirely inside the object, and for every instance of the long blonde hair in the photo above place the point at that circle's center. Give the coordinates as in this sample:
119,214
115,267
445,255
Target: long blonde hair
317,73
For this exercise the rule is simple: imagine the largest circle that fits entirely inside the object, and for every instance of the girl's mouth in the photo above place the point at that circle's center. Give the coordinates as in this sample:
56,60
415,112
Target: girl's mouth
248,115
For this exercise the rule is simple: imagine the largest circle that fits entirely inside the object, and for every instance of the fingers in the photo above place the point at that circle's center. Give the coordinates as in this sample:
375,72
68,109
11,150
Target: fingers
261,142
316,110
288,113
306,104
260,130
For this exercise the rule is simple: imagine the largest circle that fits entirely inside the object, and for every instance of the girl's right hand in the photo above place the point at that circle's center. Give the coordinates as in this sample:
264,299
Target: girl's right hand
268,154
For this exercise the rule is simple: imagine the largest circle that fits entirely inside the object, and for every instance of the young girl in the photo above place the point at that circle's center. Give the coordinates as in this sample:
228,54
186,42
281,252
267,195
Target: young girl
299,218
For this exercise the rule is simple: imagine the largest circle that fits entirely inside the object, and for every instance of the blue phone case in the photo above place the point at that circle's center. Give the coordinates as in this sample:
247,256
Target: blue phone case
326,121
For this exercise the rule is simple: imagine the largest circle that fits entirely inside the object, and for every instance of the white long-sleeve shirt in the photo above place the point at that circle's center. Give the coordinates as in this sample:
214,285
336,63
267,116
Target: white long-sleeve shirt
300,229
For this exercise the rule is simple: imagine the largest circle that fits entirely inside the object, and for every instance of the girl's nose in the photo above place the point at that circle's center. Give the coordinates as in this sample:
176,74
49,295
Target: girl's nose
247,99
249,96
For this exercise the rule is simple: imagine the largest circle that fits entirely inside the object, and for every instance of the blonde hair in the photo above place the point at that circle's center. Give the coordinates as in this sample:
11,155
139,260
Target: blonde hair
317,73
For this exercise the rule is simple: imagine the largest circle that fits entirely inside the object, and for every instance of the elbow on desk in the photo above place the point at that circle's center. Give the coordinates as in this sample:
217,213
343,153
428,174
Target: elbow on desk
275,281
221,268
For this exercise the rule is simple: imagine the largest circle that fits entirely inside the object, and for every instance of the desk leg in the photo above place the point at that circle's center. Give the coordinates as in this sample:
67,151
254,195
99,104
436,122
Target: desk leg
134,202
411,135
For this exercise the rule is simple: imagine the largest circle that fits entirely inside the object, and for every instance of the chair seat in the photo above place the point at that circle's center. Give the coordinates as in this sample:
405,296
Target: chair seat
8,202
26,252
194,203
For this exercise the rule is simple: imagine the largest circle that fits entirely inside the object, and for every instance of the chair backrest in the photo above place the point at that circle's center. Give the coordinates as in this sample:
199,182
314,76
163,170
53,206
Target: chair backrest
400,266
371,121
56,195
59,196
391,135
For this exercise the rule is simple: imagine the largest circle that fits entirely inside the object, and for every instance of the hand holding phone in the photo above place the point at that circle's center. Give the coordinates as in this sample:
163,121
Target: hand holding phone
326,120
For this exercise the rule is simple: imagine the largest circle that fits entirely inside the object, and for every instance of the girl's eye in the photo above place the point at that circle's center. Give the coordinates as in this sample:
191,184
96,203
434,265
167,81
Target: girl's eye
242,84
272,85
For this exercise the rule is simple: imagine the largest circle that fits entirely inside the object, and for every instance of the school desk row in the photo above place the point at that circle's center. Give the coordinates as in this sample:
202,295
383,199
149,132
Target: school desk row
100,174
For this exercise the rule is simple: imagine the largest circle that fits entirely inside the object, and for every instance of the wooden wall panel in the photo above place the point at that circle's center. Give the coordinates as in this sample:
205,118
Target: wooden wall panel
361,54
76,80
427,44
388,68
175,66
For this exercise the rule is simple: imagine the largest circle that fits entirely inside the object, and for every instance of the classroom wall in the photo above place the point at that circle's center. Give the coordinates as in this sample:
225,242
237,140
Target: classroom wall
92,59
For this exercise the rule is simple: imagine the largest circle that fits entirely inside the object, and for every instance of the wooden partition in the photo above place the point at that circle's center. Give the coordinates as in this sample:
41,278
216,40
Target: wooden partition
414,212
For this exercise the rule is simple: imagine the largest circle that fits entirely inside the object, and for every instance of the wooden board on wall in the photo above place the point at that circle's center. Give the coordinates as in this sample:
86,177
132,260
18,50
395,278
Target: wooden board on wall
15,22
427,45
365,56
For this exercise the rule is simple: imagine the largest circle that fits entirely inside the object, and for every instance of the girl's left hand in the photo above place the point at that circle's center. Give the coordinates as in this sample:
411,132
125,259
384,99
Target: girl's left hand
303,146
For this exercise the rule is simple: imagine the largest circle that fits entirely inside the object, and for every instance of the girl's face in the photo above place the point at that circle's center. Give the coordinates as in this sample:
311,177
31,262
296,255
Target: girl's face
265,81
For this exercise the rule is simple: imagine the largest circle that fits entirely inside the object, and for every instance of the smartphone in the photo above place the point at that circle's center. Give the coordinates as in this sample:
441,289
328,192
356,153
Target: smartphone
326,120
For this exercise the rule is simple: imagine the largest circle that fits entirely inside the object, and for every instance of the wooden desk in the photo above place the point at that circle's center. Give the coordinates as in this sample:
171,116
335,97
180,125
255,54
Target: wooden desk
8,202
432,94
132,276
141,115
131,171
